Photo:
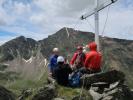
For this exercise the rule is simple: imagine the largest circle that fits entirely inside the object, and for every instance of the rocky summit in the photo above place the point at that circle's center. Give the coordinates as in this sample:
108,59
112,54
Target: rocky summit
24,61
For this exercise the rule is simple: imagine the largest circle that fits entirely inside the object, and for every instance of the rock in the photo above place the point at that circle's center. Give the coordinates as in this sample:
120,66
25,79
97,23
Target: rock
6,94
127,93
108,98
110,93
107,77
95,95
107,86
25,93
83,96
58,99
101,86
52,81
119,92
48,92
79,98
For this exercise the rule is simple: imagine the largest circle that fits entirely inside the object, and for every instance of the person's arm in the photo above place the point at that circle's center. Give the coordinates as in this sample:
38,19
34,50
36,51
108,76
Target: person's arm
87,60
73,59
50,66
68,68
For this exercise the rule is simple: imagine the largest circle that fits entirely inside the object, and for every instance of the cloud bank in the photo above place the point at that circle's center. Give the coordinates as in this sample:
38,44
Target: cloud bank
39,18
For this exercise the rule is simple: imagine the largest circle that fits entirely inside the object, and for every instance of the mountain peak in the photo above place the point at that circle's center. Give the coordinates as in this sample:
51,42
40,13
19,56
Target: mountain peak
19,45
21,37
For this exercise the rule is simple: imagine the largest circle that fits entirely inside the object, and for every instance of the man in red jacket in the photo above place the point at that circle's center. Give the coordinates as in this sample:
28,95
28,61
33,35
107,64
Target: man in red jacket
78,58
93,59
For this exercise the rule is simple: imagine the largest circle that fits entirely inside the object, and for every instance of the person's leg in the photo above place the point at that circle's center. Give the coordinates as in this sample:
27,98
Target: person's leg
84,71
95,71
51,80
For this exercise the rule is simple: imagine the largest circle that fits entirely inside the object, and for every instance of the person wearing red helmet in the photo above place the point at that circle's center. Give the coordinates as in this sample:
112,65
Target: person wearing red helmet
78,58
93,59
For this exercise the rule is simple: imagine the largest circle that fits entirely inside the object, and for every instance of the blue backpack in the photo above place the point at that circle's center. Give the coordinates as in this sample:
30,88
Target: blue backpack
74,79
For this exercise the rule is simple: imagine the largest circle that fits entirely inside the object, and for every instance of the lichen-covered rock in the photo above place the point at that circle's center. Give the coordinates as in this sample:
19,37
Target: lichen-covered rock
6,94
58,99
107,77
48,92
117,93
25,93
107,86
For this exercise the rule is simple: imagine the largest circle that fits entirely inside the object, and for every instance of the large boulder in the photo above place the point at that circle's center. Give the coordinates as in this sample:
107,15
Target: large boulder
107,77
6,94
47,92
117,93
24,94
107,86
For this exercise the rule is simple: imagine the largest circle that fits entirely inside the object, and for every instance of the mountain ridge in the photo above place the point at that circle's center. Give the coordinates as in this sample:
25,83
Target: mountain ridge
117,53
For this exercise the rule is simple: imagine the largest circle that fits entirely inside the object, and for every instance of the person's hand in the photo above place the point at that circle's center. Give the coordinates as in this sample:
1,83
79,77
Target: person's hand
50,74
73,68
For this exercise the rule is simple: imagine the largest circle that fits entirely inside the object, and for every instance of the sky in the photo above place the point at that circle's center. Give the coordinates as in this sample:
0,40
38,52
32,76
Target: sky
38,19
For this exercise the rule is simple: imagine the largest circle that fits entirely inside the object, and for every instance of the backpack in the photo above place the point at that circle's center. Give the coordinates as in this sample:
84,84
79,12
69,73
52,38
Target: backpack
74,79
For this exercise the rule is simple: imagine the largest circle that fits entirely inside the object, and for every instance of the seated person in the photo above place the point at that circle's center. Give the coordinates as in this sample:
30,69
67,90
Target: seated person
93,60
78,58
62,71
53,61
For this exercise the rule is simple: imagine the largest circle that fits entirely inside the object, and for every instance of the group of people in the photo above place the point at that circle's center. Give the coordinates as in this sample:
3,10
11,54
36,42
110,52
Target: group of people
85,63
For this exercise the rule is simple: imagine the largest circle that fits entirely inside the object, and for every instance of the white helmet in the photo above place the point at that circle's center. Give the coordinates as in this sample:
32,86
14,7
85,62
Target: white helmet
60,59
55,50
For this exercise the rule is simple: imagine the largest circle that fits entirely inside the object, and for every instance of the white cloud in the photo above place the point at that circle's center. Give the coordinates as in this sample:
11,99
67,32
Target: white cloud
119,23
21,31
39,18
20,8
3,14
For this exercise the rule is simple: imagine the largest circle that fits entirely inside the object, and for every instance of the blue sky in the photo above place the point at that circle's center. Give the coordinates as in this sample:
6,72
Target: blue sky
39,18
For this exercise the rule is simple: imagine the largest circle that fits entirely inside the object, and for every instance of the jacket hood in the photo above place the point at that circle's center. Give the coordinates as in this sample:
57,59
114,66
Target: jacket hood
92,46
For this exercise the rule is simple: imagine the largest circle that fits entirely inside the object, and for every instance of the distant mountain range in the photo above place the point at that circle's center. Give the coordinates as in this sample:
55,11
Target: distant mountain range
117,53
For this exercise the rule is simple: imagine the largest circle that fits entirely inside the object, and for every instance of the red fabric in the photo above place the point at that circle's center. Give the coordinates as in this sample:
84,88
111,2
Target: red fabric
73,58
93,58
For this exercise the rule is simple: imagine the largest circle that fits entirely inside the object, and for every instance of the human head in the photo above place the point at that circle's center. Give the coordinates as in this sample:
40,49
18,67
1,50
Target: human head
55,51
84,51
92,46
60,59
79,49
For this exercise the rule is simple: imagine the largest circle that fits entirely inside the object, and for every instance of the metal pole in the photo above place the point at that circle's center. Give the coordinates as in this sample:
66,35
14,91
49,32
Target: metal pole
97,27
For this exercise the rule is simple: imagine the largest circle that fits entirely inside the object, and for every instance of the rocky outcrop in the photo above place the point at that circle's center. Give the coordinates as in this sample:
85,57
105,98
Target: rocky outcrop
101,86
107,77
47,92
118,92
24,94
6,94
107,86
